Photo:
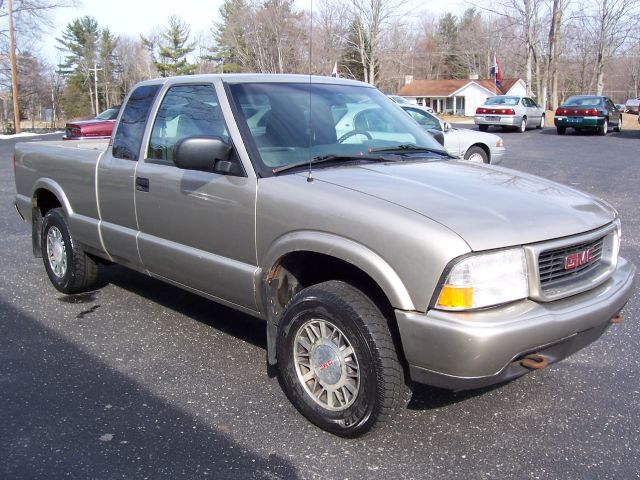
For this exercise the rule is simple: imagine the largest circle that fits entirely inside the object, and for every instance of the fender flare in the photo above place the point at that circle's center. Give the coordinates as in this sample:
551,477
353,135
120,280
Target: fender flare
331,245
36,216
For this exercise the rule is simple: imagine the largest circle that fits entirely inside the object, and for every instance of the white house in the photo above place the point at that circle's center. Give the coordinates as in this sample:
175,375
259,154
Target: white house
459,97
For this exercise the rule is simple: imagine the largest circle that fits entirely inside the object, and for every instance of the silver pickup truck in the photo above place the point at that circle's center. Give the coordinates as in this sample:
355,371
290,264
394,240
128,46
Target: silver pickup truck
316,204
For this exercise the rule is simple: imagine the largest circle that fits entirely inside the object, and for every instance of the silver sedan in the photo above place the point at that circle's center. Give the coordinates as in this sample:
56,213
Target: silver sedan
509,111
459,142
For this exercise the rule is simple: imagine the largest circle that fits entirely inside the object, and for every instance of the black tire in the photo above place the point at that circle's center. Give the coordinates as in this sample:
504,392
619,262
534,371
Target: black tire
540,125
618,127
483,128
523,125
69,268
378,390
476,152
561,130
604,128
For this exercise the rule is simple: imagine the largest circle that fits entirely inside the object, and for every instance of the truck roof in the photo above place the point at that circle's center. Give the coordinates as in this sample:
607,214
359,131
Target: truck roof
256,78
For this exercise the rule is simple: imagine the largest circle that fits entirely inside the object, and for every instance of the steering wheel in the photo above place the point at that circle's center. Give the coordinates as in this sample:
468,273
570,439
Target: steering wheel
354,132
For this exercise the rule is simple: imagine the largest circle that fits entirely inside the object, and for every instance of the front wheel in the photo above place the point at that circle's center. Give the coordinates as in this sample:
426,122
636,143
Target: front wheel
69,268
476,155
336,359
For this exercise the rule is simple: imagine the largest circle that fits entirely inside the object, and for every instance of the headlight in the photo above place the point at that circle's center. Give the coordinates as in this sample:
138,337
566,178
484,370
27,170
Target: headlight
500,143
486,279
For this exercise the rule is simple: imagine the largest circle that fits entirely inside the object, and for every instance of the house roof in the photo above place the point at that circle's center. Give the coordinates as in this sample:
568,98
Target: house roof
445,88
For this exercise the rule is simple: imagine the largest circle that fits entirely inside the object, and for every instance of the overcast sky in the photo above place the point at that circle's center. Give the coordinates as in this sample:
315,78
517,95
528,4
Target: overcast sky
135,17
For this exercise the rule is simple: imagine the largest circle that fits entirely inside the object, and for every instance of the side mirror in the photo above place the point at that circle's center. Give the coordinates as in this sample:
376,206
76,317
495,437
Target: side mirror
207,154
447,126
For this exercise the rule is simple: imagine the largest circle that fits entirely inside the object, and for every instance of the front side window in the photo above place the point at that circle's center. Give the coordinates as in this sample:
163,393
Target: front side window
185,111
295,122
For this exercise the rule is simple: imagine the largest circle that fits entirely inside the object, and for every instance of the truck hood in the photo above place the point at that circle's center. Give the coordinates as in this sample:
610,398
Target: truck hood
488,206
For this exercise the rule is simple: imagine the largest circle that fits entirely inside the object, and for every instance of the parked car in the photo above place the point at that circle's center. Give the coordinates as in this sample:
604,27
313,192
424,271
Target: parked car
588,112
99,127
622,107
459,142
509,111
633,105
404,101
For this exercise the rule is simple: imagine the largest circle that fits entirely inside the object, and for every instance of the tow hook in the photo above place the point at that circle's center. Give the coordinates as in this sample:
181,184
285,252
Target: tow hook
534,361
616,319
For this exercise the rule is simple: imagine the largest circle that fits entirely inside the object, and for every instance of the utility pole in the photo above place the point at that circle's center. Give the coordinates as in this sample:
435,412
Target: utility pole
14,69
95,71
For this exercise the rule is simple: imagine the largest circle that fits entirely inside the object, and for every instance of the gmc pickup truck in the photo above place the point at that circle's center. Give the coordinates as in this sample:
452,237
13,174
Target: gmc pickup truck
318,205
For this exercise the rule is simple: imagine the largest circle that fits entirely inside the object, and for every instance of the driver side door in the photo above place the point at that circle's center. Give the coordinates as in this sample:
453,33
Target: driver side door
196,228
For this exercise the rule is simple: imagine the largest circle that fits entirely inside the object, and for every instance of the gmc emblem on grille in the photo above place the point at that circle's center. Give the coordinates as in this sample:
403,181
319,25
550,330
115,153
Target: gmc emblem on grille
576,259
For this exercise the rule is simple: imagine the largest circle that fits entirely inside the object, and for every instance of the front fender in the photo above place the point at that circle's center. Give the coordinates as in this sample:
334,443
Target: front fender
342,248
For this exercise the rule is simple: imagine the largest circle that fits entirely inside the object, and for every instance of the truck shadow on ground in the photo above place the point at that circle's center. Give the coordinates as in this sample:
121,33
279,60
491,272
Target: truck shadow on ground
227,320
246,327
68,414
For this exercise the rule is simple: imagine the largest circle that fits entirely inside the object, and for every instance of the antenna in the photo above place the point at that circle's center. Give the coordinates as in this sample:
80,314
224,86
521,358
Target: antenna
310,176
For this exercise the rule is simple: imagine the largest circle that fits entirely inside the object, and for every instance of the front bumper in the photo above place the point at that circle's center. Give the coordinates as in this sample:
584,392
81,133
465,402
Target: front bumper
578,122
504,121
475,349
496,155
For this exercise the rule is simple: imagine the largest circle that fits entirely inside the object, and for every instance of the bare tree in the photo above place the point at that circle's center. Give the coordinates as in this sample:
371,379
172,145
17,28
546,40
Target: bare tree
610,24
26,20
372,17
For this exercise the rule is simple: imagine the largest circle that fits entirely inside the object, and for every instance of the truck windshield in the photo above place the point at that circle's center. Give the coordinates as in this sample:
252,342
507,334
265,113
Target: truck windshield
294,122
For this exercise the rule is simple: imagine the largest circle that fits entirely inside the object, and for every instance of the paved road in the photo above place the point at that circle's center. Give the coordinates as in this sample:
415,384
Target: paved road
142,380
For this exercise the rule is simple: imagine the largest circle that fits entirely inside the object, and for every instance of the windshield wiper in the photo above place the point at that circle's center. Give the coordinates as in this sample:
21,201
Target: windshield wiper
408,147
331,158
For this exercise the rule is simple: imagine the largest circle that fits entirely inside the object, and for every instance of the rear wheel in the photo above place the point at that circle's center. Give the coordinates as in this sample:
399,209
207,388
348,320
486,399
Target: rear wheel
561,130
336,359
476,155
523,125
483,128
604,128
541,124
618,127
69,268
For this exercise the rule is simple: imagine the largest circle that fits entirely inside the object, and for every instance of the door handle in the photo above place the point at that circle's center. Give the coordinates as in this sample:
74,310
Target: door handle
142,184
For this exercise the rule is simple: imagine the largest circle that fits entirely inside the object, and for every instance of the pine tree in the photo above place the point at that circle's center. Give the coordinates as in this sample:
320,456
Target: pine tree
80,43
172,47
229,35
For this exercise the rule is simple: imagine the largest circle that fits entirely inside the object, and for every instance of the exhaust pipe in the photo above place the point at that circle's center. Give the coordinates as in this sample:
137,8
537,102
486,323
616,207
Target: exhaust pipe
535,361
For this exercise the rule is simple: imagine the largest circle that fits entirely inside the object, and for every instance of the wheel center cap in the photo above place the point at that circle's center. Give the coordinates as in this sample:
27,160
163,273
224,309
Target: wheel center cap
326,364
57,252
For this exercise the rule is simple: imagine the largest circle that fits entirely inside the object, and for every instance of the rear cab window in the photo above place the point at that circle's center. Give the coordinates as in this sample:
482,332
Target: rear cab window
127,139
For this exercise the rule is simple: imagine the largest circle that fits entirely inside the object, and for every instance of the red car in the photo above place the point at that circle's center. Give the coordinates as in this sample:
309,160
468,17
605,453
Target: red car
99,127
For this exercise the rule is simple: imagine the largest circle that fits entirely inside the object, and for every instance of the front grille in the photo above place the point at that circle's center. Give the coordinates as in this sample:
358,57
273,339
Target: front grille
551,263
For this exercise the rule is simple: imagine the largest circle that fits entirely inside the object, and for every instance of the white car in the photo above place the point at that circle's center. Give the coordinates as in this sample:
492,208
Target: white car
470,145
404,101
509,111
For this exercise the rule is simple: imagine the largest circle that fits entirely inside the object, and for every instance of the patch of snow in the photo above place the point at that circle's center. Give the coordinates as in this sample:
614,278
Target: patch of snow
27,134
